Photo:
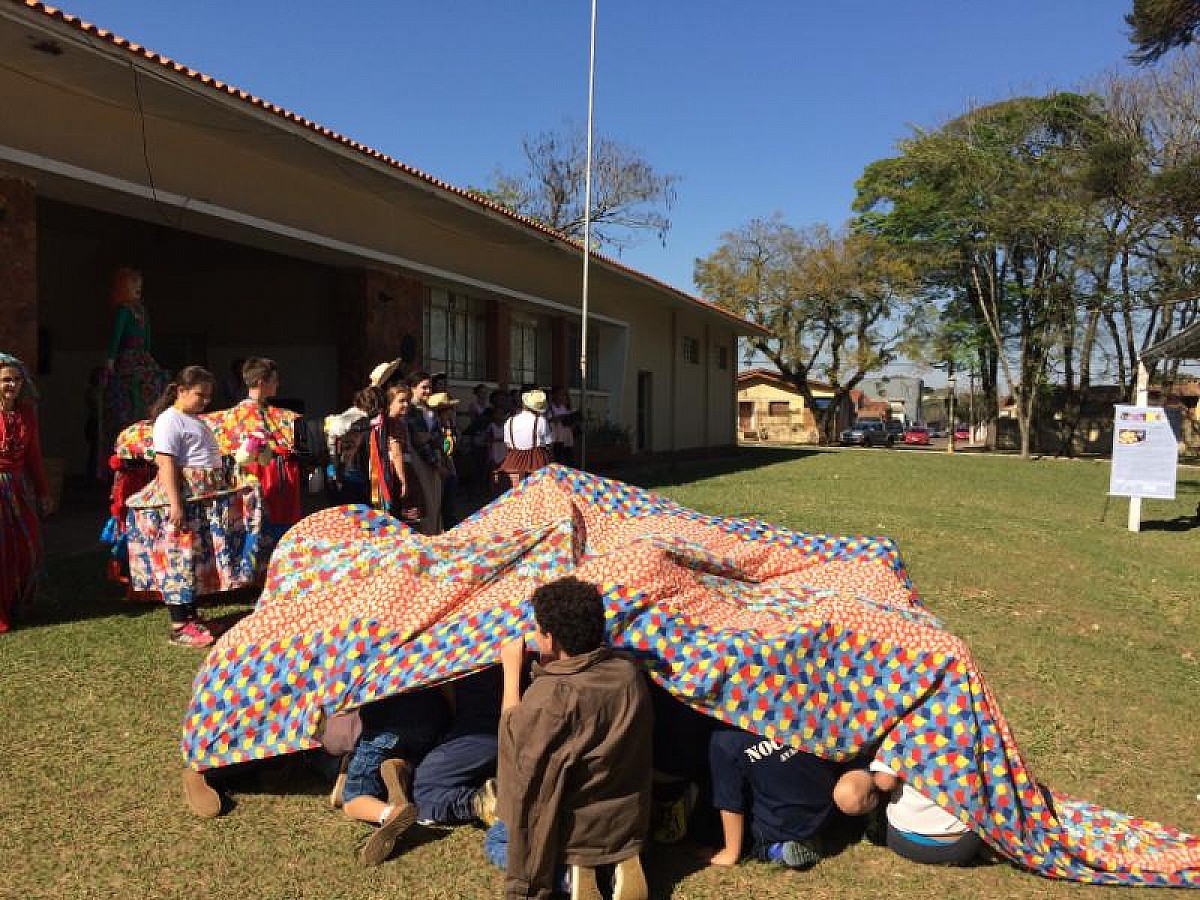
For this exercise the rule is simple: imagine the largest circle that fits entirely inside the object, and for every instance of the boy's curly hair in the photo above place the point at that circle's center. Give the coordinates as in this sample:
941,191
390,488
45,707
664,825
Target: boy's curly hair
572,611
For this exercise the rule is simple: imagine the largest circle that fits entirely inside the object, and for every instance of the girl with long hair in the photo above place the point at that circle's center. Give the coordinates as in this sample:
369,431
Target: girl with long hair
193,530
394,487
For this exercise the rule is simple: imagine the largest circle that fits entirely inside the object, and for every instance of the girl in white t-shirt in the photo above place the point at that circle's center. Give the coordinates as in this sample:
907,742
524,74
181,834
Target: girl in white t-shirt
920,830
191,531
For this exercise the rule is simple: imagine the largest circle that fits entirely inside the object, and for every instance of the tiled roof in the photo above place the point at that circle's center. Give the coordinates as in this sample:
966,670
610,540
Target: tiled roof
776,378
297,119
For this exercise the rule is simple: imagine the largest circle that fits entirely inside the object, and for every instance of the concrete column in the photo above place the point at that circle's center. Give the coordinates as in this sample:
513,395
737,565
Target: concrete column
18,271
499,350
560,352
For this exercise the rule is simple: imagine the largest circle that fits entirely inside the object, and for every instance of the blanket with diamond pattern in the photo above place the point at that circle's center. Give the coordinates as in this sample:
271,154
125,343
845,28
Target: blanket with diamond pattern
812,640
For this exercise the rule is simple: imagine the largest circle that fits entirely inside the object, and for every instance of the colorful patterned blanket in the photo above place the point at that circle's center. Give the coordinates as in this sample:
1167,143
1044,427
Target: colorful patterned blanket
813,640
275,425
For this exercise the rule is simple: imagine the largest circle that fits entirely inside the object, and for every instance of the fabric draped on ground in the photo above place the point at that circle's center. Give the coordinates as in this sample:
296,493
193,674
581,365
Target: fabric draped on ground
817,641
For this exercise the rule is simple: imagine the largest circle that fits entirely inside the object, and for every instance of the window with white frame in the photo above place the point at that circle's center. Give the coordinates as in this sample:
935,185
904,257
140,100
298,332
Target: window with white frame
523,350
455,329
691,350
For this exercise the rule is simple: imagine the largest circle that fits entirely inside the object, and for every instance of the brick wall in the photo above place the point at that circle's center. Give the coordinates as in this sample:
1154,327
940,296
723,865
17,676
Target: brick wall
376,312
18,270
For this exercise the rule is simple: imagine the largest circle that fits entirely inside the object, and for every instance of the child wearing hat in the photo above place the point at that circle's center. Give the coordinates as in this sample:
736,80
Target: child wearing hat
528,438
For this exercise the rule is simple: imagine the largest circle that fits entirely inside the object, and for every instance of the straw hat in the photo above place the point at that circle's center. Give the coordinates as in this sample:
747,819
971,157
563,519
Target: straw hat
440,400
534,401
382,373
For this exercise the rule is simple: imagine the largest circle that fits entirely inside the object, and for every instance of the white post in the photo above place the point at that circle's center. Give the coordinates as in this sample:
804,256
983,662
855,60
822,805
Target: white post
1141,399
587,246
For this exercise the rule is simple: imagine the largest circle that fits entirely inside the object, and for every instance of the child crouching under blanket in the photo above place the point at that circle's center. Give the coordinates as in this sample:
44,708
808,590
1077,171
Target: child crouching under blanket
575,756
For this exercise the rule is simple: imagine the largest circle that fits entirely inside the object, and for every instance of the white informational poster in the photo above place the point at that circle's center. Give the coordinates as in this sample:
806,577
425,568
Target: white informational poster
1145,454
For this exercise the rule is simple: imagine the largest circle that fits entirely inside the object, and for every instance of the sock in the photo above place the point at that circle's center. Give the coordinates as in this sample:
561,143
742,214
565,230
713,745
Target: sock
387,811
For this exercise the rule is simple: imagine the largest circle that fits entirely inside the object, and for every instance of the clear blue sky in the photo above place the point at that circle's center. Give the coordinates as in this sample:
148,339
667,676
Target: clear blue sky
757,106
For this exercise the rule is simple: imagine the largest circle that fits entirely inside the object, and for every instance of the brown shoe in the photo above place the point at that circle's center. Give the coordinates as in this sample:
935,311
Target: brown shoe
396,775
380,845
629,881
202,799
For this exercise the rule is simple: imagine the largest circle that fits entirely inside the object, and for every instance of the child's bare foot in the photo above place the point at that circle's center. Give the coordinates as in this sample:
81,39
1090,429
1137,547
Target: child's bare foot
717,857
202,799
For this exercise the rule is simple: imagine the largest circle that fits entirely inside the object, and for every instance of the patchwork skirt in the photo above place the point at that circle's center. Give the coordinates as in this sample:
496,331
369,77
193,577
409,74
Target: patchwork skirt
220,547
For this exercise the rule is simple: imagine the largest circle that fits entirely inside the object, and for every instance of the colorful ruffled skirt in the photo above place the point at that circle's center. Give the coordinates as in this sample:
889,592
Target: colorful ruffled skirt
20,543
219,548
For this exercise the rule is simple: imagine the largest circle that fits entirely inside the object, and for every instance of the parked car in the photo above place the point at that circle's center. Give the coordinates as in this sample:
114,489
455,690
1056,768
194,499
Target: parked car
962,433
936,431
917,435
895,428
866,433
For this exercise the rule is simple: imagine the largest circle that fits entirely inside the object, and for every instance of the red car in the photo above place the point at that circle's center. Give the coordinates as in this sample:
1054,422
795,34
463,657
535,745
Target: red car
962,434
917,434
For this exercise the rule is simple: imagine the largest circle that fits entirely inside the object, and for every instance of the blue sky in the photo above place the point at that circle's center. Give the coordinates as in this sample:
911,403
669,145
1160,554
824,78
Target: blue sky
756,106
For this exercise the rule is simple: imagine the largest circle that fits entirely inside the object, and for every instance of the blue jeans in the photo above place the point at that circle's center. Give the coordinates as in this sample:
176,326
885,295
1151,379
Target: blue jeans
451,773
495,848
406,726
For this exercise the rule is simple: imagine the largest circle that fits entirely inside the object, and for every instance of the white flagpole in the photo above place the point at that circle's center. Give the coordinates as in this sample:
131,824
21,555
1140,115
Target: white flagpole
587,245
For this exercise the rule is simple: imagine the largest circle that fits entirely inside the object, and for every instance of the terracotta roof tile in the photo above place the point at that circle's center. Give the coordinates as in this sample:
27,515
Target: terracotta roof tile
216,84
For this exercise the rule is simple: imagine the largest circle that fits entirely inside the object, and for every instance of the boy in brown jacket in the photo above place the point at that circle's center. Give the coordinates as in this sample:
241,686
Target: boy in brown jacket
575,753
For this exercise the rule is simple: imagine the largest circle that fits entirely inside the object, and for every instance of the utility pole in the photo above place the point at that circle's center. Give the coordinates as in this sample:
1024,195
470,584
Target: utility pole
950,387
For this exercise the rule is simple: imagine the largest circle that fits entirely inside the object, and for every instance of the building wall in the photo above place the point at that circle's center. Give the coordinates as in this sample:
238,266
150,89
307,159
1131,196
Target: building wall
798,425
209,303
291,295
18,270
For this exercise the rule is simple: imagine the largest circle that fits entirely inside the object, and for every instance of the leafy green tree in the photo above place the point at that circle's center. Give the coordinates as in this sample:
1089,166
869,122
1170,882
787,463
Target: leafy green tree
834,303
992,208
1158,26
629,196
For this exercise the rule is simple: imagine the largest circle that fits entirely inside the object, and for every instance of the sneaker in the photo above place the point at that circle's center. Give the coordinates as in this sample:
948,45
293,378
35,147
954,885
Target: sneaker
794,854
629,881
483,803
379,846
193,634
671,817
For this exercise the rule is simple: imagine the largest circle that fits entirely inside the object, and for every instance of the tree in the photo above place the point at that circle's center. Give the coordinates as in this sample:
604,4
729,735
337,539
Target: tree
629,196
991,207
831,302
1158,26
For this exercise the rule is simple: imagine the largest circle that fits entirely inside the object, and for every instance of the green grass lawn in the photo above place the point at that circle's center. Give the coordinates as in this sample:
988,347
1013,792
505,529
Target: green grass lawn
1088,634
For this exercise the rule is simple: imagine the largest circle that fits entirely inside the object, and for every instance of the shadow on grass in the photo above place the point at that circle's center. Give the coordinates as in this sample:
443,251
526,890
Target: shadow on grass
76,590
1179,523
660,474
